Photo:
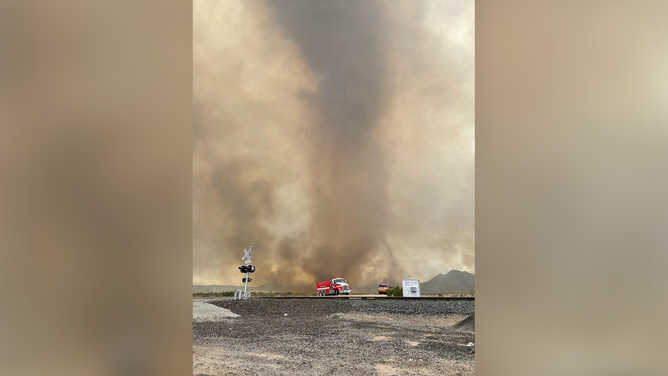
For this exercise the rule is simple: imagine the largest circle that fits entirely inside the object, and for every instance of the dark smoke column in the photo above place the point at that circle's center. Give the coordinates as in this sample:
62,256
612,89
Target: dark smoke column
342,42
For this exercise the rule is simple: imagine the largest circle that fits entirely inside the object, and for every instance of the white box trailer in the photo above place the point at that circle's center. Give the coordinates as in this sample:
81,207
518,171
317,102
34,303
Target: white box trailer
411,287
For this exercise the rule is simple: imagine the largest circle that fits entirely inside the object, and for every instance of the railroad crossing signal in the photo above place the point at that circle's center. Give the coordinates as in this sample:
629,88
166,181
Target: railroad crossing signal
247,269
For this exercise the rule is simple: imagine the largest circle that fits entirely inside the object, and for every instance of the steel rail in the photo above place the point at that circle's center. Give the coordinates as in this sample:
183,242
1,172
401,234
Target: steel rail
370,297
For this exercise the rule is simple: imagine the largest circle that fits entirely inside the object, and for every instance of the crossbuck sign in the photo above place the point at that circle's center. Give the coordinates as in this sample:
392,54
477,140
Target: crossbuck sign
247,254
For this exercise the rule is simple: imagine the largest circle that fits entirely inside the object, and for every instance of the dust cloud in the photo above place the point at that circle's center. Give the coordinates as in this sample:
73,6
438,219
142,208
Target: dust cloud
337,138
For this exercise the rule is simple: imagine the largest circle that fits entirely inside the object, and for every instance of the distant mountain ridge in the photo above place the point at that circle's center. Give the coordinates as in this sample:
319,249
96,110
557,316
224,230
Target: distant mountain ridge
454,282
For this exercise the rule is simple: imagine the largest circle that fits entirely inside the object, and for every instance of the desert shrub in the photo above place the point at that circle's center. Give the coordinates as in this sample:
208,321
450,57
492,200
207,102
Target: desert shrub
395,291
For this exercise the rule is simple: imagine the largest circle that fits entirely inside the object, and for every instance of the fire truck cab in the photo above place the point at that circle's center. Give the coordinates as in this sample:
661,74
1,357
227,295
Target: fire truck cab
334,286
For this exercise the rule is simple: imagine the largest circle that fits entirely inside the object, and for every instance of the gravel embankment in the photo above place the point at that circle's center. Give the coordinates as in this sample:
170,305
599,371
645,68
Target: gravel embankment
334,337
208,312
319,307
467,325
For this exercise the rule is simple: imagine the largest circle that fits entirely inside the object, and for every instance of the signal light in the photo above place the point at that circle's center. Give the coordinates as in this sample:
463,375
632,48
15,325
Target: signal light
247,268
249,279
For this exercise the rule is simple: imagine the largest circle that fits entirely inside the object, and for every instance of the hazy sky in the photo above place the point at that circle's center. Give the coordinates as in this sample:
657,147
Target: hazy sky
335,137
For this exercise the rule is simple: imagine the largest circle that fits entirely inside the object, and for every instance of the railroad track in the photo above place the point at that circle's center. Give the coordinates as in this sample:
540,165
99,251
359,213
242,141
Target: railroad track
351,297
370,297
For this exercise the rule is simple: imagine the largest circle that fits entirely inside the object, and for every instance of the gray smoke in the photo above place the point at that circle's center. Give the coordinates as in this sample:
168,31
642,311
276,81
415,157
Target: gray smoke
335,137
342,43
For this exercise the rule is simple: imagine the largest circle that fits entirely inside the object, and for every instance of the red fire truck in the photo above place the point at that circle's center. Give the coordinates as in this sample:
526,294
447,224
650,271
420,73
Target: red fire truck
334,286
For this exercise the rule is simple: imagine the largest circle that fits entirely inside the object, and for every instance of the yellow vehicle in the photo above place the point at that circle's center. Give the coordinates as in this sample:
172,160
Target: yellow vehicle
382,288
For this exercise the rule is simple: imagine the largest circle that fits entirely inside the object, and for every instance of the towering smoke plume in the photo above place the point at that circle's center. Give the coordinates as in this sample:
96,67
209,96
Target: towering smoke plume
336,137
343,45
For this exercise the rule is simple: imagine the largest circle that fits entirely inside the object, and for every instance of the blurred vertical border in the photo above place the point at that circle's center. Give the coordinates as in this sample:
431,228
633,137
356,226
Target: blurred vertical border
570,187
95,186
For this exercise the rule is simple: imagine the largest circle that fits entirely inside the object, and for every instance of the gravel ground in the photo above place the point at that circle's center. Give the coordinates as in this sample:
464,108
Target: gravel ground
335,337
209,312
